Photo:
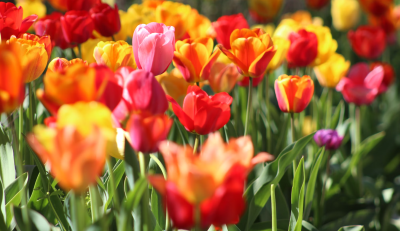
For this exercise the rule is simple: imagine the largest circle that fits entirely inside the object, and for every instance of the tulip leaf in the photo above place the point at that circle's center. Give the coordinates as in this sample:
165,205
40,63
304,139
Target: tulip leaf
157,207
118,171
13,195
311,183
308,227
132,169
297,201
42,170
352,228
338,115
258,193
182,131
134,197
7,164
360,217
282,224
3,225
38,222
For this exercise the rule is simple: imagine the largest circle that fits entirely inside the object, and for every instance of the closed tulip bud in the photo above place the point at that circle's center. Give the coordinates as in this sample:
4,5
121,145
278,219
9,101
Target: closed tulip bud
264,10
303,48
12,22
153,47
51,26
326,44
75,160
35,57
368,41
174,14
84,5
114,54
12,82
210,183
142,93
317,4
328,138
106,19
225,25
282,47
389,75
376,7
61,64
174,85
361,86
194,58
332,71
146,131
201,113
223,77
345,14
252,50
294,93
77,26
198,25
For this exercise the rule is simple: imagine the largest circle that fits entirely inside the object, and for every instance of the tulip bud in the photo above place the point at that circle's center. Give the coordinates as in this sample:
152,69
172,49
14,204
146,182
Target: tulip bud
77,26
328,138
114,54
225,25
303,48
106,20
332,71
12,22
293,92
345,14
368,41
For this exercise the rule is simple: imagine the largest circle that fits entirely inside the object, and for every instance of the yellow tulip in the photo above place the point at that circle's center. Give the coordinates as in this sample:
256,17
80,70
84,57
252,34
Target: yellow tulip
32,7
268,28
326,44
285,27
282,45
331,72
198,25
114,54
87,49
345,14
174,85
174,14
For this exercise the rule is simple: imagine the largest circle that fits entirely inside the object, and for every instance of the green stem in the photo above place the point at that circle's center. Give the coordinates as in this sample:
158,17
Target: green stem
160,165
54,210
197,217
31,105
145,198
80,51
273,209
327,172
358,142
113,38
21,129
269,138
249,103
329,109
196,144
113,185
93,203
78,207
293,139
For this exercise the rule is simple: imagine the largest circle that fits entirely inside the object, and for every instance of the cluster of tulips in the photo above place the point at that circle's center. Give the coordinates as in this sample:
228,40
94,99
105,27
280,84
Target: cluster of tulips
125,78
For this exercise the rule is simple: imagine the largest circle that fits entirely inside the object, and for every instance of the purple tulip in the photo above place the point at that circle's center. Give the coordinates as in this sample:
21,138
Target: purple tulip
328,138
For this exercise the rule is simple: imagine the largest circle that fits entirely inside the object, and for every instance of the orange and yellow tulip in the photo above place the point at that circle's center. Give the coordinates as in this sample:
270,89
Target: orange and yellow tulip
194,58
282,47
332,71
174,14
252,50
223,77
198,25
293,92
264,10
61,64
326,44
114,54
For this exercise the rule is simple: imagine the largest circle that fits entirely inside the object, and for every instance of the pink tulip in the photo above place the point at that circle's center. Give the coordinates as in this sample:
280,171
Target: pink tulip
362,85
142,93
153,47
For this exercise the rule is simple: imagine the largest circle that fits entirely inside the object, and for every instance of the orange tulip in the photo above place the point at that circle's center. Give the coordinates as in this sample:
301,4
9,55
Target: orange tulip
252,50
12,87
214,180
294,93
223,77
61,64
198,25
264,10
76,160
174,14
195,57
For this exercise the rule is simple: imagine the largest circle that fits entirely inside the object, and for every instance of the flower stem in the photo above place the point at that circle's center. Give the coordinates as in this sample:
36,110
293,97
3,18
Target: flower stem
327,172
329,109
145,198
21,129
54,210
113,38
113,185
273,209
196,144
357,146
249,102
269,138
293,139
78,207
80,51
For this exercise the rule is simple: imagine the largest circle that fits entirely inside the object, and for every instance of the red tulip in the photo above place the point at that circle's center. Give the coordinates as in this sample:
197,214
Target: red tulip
77,26
11,22
146,131
85,5
303,48
225,25
388,75
368,41
317,4
246,80
201,113
106,19
141,93
362,85
51,25
376,7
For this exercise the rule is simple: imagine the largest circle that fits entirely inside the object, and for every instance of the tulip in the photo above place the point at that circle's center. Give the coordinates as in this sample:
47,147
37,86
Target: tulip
345,14
152,3
142,93
361,86
285,28
35,56
146,131
198,25
153,47
328,138
388,75
51,25
202,114
211,182
84,5
225,25
88,47
32,8
293,92
303,18
12,82
61,64
268,28
264,10
77,26
45,40
326,44
194,58
174,85
78,83
223,77
59,4
114,54
390,23
303,48
317,4
12,22
377,7
252,50
75,160
106,19
174,14
245,81
332,71
282,47
367,41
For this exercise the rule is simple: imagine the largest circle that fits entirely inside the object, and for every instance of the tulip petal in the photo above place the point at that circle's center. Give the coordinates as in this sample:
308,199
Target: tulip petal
261,158
205,72
303,94
233,58
185,67
374,78
242,33
159,183
222,97
47,103
179,209
27,23
186,121
260,64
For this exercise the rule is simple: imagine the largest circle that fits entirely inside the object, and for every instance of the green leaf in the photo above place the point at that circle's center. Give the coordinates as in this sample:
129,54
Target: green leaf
42,170
297,202
258,193
134,196
267,226
7,164
352,228
96,203
282,208
39,223
157,207
118,170
311,184
361,217
13,195
230,130
338,115
182,131
308,227
3,225
132,169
